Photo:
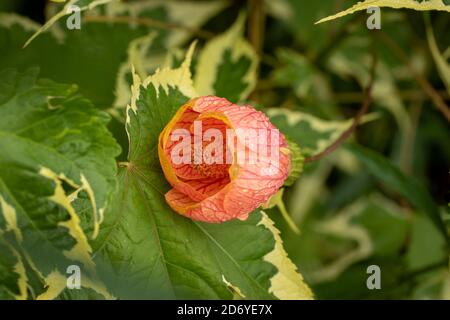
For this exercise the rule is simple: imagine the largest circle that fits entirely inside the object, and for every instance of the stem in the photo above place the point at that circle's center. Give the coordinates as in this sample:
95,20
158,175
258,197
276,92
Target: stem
408,145
347,133
256,23
287,217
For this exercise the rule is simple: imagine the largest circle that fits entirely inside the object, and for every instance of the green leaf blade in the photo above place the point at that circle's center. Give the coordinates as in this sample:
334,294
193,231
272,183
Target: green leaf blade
56,174
408,187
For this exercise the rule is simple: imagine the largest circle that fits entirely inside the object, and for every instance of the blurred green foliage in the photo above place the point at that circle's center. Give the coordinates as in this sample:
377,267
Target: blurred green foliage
383,204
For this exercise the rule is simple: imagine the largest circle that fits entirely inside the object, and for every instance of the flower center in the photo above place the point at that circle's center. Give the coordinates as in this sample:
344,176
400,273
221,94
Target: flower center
212,170
212,165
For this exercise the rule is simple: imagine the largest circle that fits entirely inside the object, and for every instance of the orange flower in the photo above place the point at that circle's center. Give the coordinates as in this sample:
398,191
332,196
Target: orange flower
222,160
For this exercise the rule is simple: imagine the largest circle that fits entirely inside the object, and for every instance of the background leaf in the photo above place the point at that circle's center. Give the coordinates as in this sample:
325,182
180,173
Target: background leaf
227,65
441,63
406,186
55,180
409,4
312,134
350,208
167,255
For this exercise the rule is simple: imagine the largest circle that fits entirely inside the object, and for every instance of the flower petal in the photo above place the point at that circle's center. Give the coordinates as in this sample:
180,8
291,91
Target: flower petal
250,182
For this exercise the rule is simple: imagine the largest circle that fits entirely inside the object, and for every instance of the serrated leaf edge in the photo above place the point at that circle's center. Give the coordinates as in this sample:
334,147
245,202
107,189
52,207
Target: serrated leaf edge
287,283
63,13
9,213
395,4
212,55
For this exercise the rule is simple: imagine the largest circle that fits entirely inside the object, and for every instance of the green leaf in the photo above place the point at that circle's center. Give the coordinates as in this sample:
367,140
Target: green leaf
149,251
344,234
57,173
94,57
227,65
82,4
144,62
312,134
427,245
146,53
336,249
298,18
408,187
418,5
350,60
301,75
12,278
386,224
89,57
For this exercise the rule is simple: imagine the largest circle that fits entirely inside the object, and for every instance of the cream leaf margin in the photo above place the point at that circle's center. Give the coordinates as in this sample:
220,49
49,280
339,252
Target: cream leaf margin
9,213
395,4
287,283
212,56
65,11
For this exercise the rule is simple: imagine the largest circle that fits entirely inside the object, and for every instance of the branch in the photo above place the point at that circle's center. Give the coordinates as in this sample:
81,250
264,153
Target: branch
347,133
256,24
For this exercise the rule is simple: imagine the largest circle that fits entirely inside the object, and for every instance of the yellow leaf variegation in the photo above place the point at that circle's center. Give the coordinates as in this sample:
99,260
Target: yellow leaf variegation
137,58
237,293
290,121
396,4
213,57
9,214
82,250
44,225
341,226
287,283
55,283
22,282
211,247
180,78
19,269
